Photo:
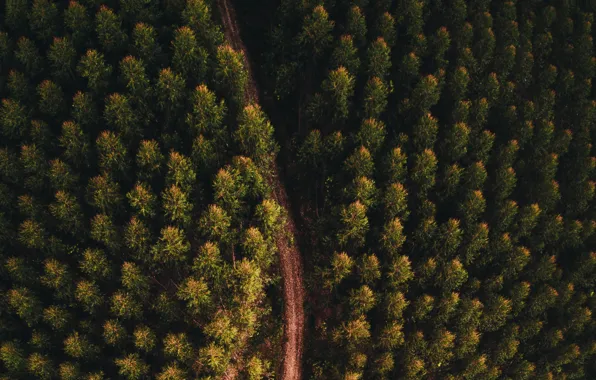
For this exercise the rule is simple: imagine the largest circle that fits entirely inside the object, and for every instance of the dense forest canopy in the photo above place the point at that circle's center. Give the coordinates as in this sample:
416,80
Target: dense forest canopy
441,157
136,222
438,155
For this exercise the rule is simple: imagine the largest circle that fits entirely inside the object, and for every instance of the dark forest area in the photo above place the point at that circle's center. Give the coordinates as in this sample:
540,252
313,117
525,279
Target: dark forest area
439,163
440,154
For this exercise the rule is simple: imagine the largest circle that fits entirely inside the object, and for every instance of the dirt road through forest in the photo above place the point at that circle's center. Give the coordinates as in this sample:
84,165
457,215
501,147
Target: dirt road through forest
289,256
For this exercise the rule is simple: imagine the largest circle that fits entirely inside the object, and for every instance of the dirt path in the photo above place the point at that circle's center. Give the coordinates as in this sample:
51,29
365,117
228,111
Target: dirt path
289,256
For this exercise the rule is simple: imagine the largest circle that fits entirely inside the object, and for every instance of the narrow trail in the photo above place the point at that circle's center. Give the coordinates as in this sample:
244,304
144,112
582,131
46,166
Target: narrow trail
289,256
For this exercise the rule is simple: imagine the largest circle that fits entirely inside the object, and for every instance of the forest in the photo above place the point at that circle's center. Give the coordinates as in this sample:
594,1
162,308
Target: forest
297,189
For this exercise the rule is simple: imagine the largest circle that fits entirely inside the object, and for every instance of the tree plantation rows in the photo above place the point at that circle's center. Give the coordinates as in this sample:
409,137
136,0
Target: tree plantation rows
441,152
136,219
438,154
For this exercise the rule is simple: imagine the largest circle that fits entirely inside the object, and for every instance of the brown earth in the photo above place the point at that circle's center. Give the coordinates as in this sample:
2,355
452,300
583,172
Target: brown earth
289,256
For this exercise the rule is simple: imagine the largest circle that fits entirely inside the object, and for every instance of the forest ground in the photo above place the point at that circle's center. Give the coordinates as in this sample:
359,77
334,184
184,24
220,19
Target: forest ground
289,255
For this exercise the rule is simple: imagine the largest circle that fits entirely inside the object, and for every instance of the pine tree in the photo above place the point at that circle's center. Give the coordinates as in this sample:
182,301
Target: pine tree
93,67
231,77
316,31
339,88
345,54
78,23
108,27
255,135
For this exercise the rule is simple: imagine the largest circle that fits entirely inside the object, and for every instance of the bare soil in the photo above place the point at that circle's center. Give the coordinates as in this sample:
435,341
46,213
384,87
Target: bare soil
289,255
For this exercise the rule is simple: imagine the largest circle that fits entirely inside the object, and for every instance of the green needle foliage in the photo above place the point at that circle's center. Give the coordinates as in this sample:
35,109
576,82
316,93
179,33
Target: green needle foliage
137,226
451,233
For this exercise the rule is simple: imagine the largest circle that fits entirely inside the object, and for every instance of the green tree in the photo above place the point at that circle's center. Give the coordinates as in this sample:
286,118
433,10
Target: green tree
172,246
58,317
69,371
375,97
19,87
41,366
257,249
371,135
197,15
149,159
229,191
181,172
378,60
189,58
144,338
112,153
172,372
133,75
177,346
256,368
424,133
104,193
396,165
339,88
13,357
208,263
215,358
14,118
144,41
385,28
197,295
316,31
426,93
353,332
15,13
496,313
132,367
207,114
120,114
215,223
360,163
78,346
363,190
78,23
170,90
354,225
124,305
87,293
356,25
28,55
269,215
458,84
362,300
32,234
62,56
57,277
142,200
134,280
25,304
255,135
103,230
34,166
424,170
114,333
109,30
345,54
84,109
95,264
93,67
43,19
231,76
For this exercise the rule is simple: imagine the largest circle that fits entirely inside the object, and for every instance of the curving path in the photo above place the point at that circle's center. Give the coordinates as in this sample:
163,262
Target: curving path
289,256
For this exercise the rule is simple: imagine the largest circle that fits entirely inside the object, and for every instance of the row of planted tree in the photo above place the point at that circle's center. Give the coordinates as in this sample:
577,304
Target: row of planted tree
443,158
136,223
